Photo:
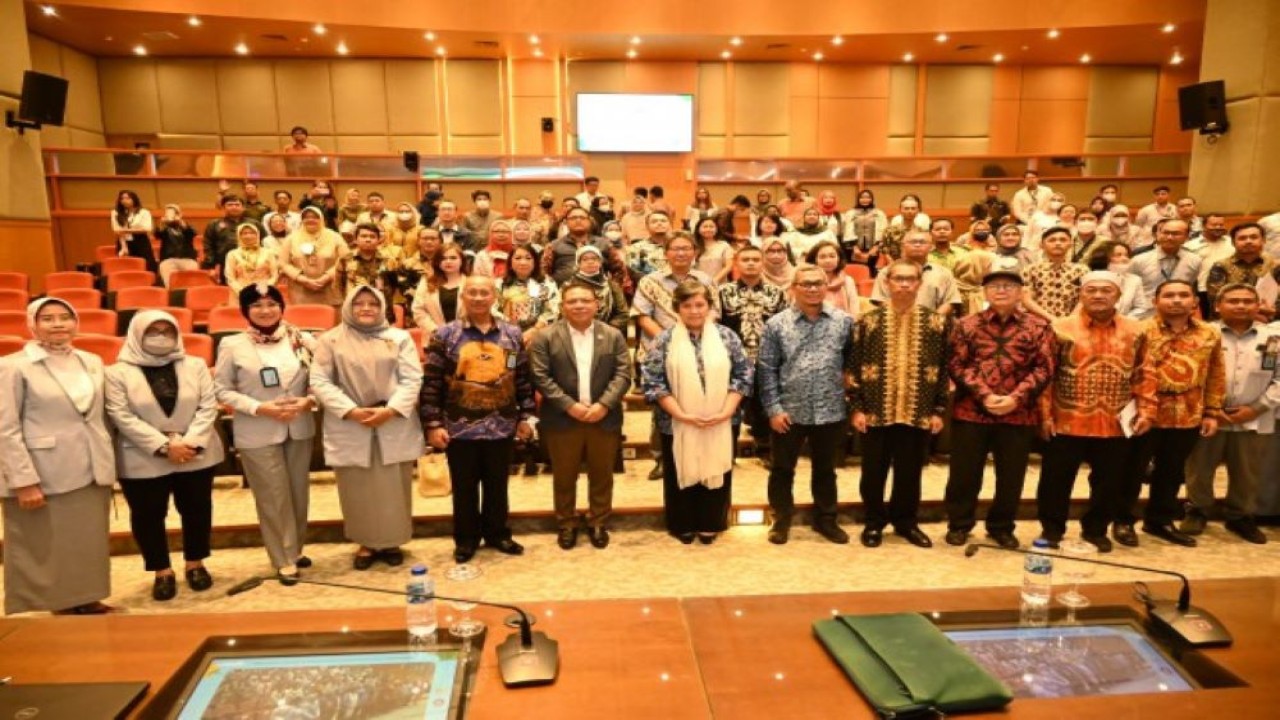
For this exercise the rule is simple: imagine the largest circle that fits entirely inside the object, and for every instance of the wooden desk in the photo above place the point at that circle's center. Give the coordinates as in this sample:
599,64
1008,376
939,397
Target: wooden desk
740,657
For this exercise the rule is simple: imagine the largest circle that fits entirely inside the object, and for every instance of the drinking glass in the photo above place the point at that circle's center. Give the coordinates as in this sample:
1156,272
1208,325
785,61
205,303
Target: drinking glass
1074,573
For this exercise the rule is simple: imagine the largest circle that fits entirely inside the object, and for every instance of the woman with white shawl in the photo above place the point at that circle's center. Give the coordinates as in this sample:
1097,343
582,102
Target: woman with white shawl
697,373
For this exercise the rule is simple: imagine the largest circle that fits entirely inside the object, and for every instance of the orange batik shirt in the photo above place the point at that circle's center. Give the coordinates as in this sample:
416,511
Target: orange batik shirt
1184,378
1096,374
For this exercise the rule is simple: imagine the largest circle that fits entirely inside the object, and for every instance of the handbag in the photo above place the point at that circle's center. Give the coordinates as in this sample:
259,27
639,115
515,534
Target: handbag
433,475
906,667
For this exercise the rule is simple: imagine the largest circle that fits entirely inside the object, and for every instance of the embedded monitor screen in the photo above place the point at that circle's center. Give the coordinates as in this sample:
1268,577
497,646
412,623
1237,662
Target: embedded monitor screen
619,122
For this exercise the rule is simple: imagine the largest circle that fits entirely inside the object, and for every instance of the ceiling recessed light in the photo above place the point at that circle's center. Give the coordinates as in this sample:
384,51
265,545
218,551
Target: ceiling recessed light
440,50
631,54
429,36
941,37
537,52
242,49
837,40
735,41
1168,28
998,57
49,11
1085,58
1176,59
342,48
818,55
1053,33
908,57
635,39
533,40
725,54
139,50
194,21
319,29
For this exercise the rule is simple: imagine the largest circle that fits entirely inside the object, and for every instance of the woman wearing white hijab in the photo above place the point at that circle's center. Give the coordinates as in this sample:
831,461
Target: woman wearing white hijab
162,404
697,373
366,375
56,470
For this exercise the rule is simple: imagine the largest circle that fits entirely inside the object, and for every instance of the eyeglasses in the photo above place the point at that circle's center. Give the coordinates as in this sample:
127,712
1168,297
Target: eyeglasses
811,284
904,279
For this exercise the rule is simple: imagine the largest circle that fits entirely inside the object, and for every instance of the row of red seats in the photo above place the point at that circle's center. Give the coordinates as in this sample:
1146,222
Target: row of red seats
220,319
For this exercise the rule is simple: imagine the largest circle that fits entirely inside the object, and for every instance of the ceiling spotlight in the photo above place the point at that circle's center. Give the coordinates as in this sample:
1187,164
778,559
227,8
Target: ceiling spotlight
49,11
1176,59
1053,33
635,39
818,55
725,54
735,41
440,50
1168,28
1085,58
319,29
998,57
537,52
342,48
429,36
242,49
631,54
139,50
941,37
908,57
194,21
533,40
837,40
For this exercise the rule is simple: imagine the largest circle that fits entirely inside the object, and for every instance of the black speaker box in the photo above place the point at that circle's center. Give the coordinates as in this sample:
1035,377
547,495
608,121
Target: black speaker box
1203,106
44,98
548,124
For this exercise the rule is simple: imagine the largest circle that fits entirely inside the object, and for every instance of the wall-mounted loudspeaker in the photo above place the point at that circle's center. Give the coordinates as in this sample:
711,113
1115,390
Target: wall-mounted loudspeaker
44,102
1203,107
548,124
411,161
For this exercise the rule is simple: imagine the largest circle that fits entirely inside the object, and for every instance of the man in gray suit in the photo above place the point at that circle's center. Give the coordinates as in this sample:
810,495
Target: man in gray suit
1169,260
581,368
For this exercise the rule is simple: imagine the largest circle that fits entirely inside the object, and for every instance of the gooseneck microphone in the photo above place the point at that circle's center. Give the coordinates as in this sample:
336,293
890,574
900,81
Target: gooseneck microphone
524,659
1192,625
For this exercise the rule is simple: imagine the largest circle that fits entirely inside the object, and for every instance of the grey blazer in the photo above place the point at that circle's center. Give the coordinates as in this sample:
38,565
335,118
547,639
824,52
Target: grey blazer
237,382
43,438
555,374
143,427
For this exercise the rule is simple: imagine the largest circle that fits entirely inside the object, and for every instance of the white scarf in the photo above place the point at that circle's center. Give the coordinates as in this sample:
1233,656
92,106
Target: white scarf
702,455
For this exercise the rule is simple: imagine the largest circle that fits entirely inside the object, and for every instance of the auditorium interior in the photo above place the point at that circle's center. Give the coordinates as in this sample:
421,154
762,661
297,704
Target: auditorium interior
937,99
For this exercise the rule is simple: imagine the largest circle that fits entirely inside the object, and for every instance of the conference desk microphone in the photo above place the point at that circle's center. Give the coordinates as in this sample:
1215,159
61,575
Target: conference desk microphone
1192,625
525,658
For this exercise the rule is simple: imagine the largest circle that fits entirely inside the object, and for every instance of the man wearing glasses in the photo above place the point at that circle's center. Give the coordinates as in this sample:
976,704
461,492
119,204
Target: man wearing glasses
937,292
1001,360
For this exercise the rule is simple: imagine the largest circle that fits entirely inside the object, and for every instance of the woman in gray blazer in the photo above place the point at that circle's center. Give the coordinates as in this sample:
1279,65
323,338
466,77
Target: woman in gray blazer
263,374
163,407
56,470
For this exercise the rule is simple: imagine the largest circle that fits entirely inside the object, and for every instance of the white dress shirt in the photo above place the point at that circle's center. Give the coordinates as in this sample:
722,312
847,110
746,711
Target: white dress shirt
584,348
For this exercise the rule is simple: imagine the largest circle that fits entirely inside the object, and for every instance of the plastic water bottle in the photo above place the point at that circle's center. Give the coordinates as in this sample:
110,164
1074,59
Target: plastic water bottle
1037,584
420,607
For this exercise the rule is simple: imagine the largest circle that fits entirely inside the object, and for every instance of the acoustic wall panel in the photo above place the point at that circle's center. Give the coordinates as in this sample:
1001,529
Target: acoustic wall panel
130,96
188,97
958,101
1122,101
304,96
247,99
360,97
412,107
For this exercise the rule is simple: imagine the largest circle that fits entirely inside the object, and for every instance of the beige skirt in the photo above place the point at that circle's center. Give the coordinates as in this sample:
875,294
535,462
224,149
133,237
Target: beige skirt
377,502
57,557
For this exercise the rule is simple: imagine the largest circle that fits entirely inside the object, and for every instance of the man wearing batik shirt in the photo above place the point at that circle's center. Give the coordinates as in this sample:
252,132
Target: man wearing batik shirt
746,304
649,254
1246,266
1053,284
371,264
899,396
1180,396
944,252
1001,360
1095,374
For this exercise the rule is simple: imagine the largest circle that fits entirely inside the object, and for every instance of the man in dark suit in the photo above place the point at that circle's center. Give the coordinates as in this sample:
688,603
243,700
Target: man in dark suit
581,368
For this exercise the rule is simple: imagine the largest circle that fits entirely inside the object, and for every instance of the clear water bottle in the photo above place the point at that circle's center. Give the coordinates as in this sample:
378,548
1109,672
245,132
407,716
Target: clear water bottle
1037,577
420,607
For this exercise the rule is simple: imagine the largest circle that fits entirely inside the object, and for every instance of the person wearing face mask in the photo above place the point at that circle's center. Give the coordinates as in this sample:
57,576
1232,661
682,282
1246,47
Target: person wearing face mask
1212,246
309,258
477,221
634,220
366,376
1087,238
613,233
401,230
1117,228
494,259
262,374
250,263
163,407
177,243
277,229
542,215
1114,257
602,210
611,302
56,470
1042,220
978,237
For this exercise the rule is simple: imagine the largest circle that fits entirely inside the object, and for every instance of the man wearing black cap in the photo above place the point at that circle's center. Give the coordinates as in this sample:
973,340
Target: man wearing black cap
1001,359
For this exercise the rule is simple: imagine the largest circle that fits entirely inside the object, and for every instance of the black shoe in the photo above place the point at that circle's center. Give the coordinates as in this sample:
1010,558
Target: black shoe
1247,529
165,588
780,531
507,546
686,538
303,562
530,468
1170,533
656,472
463,553
831,531
1005,540
599,537
567,538
363,562
1099,541
915,536
1053,541
957,537
1194,523
288,579
1124,534
707,538
871,537
199,579
393,557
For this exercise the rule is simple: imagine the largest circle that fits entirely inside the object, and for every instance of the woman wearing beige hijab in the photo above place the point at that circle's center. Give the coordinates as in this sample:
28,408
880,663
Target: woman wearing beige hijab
309,258
251,263
366,376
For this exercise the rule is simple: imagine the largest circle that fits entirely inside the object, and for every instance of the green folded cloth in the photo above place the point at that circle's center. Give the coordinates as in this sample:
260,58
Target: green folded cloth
904,665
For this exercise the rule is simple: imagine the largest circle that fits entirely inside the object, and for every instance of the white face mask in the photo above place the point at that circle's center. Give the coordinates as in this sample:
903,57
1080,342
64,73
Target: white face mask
614,234
606,208
1087,226
1120,221
1109,197
404,216
1054,205
482,204
159,344
1119,267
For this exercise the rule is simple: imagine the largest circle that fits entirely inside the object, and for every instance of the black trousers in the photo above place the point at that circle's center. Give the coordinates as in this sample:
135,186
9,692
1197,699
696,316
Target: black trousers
904,449
825,443
478,472
148,500
695,509
1062,460
1010,445
1166,450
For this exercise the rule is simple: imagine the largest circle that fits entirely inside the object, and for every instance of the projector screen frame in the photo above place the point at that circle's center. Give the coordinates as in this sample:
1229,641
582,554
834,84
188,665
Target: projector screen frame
693,117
